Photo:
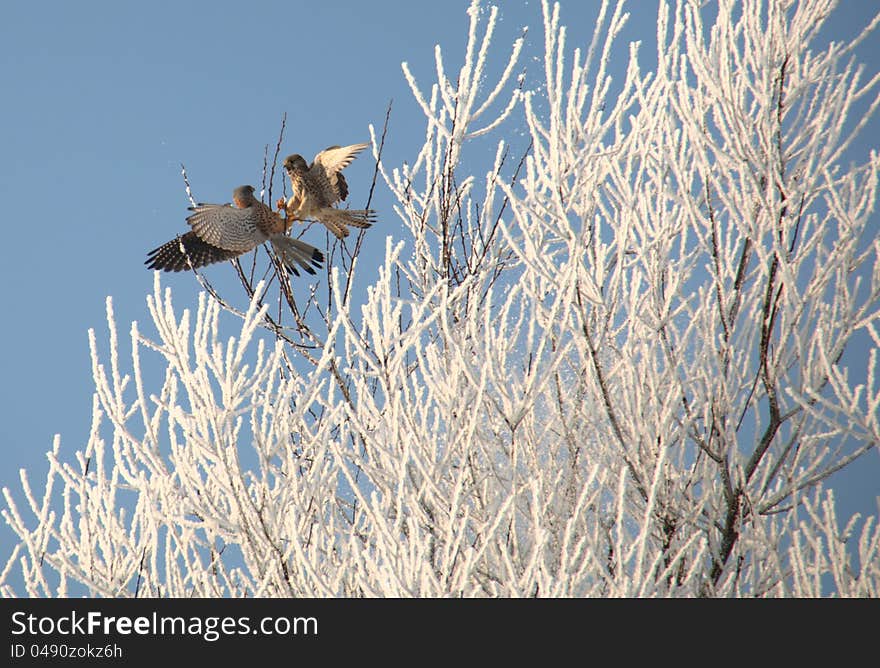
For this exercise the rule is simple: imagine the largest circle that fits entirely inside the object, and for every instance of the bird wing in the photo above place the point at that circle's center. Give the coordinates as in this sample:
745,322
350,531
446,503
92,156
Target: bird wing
186,251
325,171
226,227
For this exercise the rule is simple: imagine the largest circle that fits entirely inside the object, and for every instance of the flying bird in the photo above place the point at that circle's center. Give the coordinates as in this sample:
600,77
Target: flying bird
223,232
317,187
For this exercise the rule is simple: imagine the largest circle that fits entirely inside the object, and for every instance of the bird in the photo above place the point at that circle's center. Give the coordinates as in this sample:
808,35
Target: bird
223,232
317,187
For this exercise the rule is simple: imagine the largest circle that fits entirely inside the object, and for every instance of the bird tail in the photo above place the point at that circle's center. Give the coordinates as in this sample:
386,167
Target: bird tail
338,220
294,252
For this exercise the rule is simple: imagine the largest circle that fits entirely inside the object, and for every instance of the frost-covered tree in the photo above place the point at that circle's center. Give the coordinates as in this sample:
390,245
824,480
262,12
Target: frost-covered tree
618,361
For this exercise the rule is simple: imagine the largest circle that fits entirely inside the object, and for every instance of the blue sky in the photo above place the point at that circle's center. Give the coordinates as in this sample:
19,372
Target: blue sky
102,101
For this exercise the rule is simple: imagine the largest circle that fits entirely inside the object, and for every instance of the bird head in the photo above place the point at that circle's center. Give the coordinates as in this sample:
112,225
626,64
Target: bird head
243,196
295,163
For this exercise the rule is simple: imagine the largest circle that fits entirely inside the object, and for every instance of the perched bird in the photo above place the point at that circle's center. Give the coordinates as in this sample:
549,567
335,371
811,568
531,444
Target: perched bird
317,187
222,232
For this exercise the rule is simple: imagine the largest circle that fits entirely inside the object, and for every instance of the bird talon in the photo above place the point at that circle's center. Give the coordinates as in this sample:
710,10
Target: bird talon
281,204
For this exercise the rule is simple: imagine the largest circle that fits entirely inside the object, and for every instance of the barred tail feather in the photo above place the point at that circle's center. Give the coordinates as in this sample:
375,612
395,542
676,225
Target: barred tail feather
362,218
294,252
338,220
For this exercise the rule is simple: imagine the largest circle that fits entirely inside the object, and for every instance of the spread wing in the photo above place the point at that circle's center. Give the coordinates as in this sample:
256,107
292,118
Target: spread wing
325,171
226,227
185,251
